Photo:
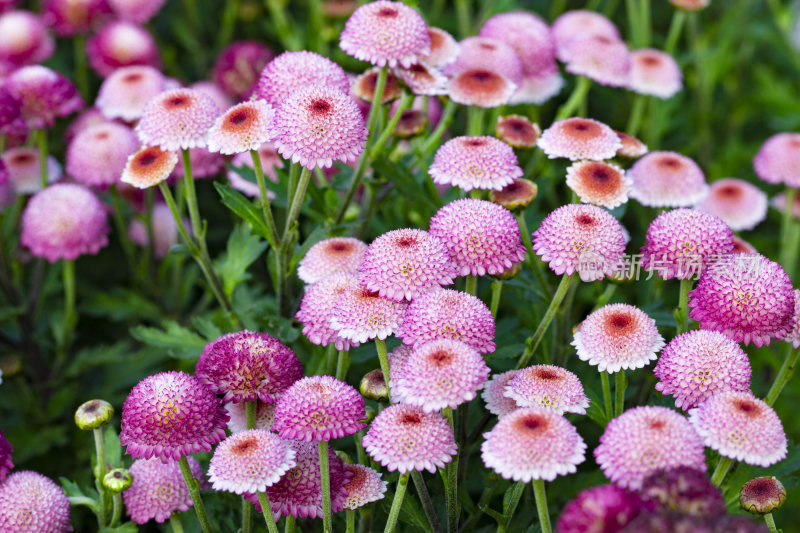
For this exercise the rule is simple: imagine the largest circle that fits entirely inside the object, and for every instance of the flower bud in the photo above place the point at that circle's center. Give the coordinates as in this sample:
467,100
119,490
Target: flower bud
762,495
412,122
509,273
517,131
118,480
515,196
93,414
373,385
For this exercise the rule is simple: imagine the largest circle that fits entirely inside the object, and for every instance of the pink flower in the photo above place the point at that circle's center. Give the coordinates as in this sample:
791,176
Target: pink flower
158,489
547,386
98,155
778,158
241,128
44,95
475,163
250,461
125,91
655,73
238,67
494,396
741,205
598,183
579,138
292,71
177,119
667,179
32,503
364,487
121,44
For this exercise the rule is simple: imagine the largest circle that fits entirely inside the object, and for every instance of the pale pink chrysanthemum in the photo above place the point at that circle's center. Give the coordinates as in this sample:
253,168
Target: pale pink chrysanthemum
581,24
538,87
793,336
580,238
250,461
386,33
64,221
740,426
631,146
171,414
423,79
547,386
617,337
475,163
205,164
24,40
405,438
533,443
404,263
599,183
44,95
363,86
699,364
158,489
601,59
331,256
98,155
265,416
527,34
439,374
24,169
517,130
292,71
444,48
360,315
241,128
125,91
667,179
177,119
6,463
682,243
32,503
481,237
270,162
601,509
365,486
121,44
645,439
70,17
487,53
148,167
740,204
317,305
481,88
494,396
778,159
449,314
139,11
248,366
655,73
579,138
316,126
397,359
741,246
745,296
238,67
319,408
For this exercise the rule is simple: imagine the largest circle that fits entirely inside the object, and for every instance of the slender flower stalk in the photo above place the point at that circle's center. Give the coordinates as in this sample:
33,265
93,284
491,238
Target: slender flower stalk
100,449
606,393
383,358
784,374
447,118
265,206
405,102
682,313
397,503
576,99
637,114
497,290
175,523
324,470
475,120
534,341
266,508
425,499
41,138
471,285
117,510
675,29
541,505
619,390
789,233
194,492
342,364
119,222
451,481
721,470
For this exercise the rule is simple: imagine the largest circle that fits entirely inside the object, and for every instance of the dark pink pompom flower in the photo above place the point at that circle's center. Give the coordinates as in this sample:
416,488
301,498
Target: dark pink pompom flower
793,336
121,44
250,461
98,155
32,503
159,490
682,489
6,463
177,119
11,120
238,67
44,95
603,509
292,71
139,11
475,163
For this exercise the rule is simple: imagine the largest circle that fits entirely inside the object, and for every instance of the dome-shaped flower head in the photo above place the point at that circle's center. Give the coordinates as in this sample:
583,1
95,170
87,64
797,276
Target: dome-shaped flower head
762,495
317,307
237,68
494,396
632,147
439,374
778,159
69,17
6,463
98,155
601,59
515,196
667,179
44,95
487,53
655,73
386,33
248,366
158,489
683,489
365,486
265,416
23,39
449,314
603,509
32,503
538,87
533,443
404,263
171,414
331,256
360,314
682,243
481,87
292,71
548,386
250,461
745,296
475,163
125,91
397,359
148,167
582,24
740,426
517,130
741,205
316,126
579,138
599,183
241,128
64,221
121,44
699,364
422,79
444,48
177,119
645,439
319,408
580,238
139,11
481,237
527,34
24,169
405,438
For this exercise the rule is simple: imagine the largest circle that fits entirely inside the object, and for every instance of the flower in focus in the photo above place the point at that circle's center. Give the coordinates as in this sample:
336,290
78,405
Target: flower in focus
603,509
667,179
655,73
24,169
292,71
241,128
741,205
121,44
44,95
238,67
148,167
547,386
331,256
515,196
317,306
177,119
475,163
32,503
250,461
579,138
762,495
599,183
93,414
158,489
365,486
98,155
494,396
360,315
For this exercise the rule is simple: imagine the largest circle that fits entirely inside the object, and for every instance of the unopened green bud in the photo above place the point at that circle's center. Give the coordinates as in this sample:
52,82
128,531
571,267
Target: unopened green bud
93,414
118,480
373,385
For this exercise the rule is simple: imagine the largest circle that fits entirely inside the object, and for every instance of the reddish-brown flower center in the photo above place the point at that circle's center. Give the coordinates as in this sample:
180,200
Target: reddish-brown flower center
650,61
475,142
410,418
320,107
441,357
22,159
547,374
437,39
406,241
178,101
669,163
532,424
388,12
244,446
748,408
585,219
133,77
656,424
729,192
582,129
103,135
479,81
340,247
487,46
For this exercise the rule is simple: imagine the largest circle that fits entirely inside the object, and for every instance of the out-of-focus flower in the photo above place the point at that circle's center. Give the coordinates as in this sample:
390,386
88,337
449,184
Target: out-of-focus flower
125,91
444,48
603,509
601,59
24,40
121,44
740,204
667,179
518,131
139,11
481,88
683,489
579,138
44,95
69,17
778,159
97,156
24,169
237,68
655,73
364,487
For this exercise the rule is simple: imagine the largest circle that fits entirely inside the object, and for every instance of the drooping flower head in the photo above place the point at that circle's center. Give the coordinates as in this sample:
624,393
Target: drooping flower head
360,315
487,53
121,44
475,163
148,167
241,128
331,256
517,130
481,87
580,23
32,503
317,306
125,91
171,414
177,119
698,364
265,416
599,183
685,490
139,11
740,426
515,196
778,159
762,495
547,386
538,87
24,169
69,17
603,509
533,443
98,155
405,438
237,68
579,138
741,205
250,461
494,396
365,486
44,95
655,73
6,463
667,179
444,48
24,40
601,59
292,71
645,439
632,147
158,489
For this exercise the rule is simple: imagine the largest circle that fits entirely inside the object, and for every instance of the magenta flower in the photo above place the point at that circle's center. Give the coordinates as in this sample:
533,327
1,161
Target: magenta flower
603,509
475,163
667,179
487,53
158,489
778,158
444,48
148,167
793,336
24,40
11,120
238,67
24,169
265,416
685,490
125,91
250,461
139,11
177,119
44,95
32,503
121,44
547,386
599,183
364,487
331,256
292,71
741,205
317,306
98,155
655,73
360,315
494,396
579,138
481,88
6,462
70,17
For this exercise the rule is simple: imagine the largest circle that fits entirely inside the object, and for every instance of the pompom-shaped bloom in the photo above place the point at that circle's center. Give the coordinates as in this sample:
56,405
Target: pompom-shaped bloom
316,126
270,161
631,146
44,95
599,183
121,44
481,88
250,461
405,438
148,167
32,503
682,243
265,416
602,60
580,24
699,364
317,306
740,426
444,48
548,386
171,414
11,120
386,33
292,71
64,221
242,128
579,138
517,130
237,68
603,509
365,85
645,439
527,34
319,408
70,17
487,53
793,336
762,495
177,119
533,443
667,179
475,163
422,79
515,196
158,489
404,263
24,169
23,39
580,238
741,205
6,463
98,155
331,256
494,396
449,314
438,374
125,91
139,11
360,315
745,296
683,489
481,237
778,159
655,73
248,366
364,487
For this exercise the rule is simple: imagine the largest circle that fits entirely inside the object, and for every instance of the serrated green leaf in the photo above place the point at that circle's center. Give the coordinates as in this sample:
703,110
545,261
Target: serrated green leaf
99,355
244,209
206,327
178,341
242,250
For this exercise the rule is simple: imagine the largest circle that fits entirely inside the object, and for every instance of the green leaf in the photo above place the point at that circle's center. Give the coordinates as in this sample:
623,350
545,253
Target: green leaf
206,327
244,209
99,355
120,304
77,496
178,341
243,249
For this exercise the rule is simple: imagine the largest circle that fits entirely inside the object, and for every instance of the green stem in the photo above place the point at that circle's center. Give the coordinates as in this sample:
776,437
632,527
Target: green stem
247,516
330,361
683,306
81,72
100,450
289,523
42,139
451,482
70,318
397,503
511,507
582,86
475,120
115,518
324,471
350,520
377,147
619,391
119,222
447,118
784,374
497,290
265,206
464,16
175,523
770,521
605,297
644,23
194,492
471,285
606,393
541,329
282,25
541,505
722,468
342,364
383,359
632,11
425,499
637,112
250,409
266,508
675,28
297,203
